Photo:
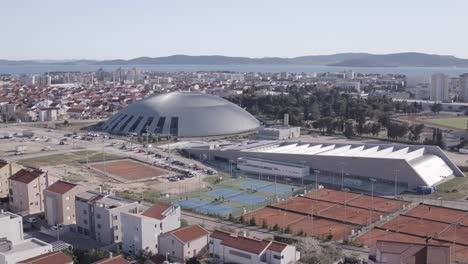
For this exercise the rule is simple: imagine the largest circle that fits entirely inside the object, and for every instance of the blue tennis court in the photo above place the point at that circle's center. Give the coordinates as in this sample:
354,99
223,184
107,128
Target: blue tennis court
266,186
206,207
250,199
226,193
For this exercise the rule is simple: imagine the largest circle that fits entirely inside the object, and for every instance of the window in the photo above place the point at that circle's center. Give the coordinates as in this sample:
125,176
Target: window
85,212
124,125
98,216
135,125
148,123
116,227
277,257
67,198
160,226
160,126
116,238
188,245
240,254
174,127
85,221
115,217
172,242
99,226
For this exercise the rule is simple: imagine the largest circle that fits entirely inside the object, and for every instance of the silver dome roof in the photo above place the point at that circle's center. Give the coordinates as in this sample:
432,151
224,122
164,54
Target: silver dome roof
182,114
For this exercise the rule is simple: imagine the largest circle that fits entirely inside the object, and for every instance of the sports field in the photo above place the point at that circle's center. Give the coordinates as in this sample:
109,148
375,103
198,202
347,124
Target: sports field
234,196
128,169
449,122
423,224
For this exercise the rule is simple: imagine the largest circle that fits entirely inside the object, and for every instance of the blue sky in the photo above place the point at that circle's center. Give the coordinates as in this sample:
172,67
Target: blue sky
108,29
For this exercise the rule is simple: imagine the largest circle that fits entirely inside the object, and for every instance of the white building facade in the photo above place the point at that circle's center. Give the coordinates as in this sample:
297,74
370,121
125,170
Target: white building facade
439,87
140,232
272,168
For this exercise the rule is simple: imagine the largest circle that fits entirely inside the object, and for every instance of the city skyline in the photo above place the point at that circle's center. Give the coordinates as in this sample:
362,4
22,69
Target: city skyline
119,30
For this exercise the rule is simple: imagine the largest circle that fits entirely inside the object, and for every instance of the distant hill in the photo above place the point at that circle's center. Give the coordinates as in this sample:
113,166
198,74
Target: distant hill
409,59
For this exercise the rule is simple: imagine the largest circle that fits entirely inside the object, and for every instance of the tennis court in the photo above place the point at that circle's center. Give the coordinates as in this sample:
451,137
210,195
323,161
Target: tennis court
238,196
205,207
266,187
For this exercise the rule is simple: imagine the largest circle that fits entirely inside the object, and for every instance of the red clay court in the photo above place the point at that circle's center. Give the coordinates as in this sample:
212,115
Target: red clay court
128,169
324,212
437,225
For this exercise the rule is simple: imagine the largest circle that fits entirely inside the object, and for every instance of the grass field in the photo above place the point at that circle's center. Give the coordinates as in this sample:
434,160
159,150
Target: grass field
454,122
453,189
66,158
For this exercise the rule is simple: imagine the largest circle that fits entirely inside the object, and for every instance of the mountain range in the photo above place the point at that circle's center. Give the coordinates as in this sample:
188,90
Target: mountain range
408,59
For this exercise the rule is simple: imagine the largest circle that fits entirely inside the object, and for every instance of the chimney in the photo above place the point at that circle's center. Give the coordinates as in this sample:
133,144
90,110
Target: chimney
286,119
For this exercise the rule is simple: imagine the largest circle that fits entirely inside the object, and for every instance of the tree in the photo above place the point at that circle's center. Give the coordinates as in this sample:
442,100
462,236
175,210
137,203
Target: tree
349,129
85,256
313,252
436,108
241,219
264,224
193,260
415,132
276,227
252,221
230,217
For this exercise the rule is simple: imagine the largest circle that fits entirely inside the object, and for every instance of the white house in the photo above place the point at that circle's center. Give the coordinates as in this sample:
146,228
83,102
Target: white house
273,168
230,248
141,231
13,247
184,243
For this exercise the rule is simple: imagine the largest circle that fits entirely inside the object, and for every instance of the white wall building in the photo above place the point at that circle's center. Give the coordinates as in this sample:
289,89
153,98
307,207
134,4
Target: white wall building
230,248
13,247
279,132
184,243
270,167
439,87
141,231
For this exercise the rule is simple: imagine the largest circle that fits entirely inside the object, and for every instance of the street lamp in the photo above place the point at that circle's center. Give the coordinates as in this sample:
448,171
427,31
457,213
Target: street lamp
57,228
371,209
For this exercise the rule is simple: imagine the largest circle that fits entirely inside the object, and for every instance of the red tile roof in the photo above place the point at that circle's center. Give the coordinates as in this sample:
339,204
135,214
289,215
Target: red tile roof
49,258
251,245
115,260
156,211
27,175
188,233
61,187
277,246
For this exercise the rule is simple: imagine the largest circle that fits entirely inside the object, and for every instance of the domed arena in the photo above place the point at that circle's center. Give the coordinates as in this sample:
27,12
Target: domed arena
182,114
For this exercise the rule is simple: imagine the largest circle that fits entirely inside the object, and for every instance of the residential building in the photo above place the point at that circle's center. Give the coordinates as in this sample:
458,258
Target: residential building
463,82
49,258
439,87
113,260
13,246
26,190
60,203
230,248
184,243
393,252
140,232
354,86
45,114
98,215
7,169
11,227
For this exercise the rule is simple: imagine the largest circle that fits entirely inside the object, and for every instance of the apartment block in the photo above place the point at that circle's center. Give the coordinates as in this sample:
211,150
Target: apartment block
60,203
26,190
98,215
7,169
140,232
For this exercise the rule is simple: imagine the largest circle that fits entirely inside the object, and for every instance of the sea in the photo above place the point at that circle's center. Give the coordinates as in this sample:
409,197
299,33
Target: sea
415,74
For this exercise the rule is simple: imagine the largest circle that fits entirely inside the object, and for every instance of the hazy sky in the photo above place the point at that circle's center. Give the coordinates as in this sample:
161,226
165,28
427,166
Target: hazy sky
108,29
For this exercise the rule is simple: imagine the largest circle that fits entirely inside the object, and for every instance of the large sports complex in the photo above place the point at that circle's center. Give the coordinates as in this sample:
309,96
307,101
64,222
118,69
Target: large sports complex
348,165
182,114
